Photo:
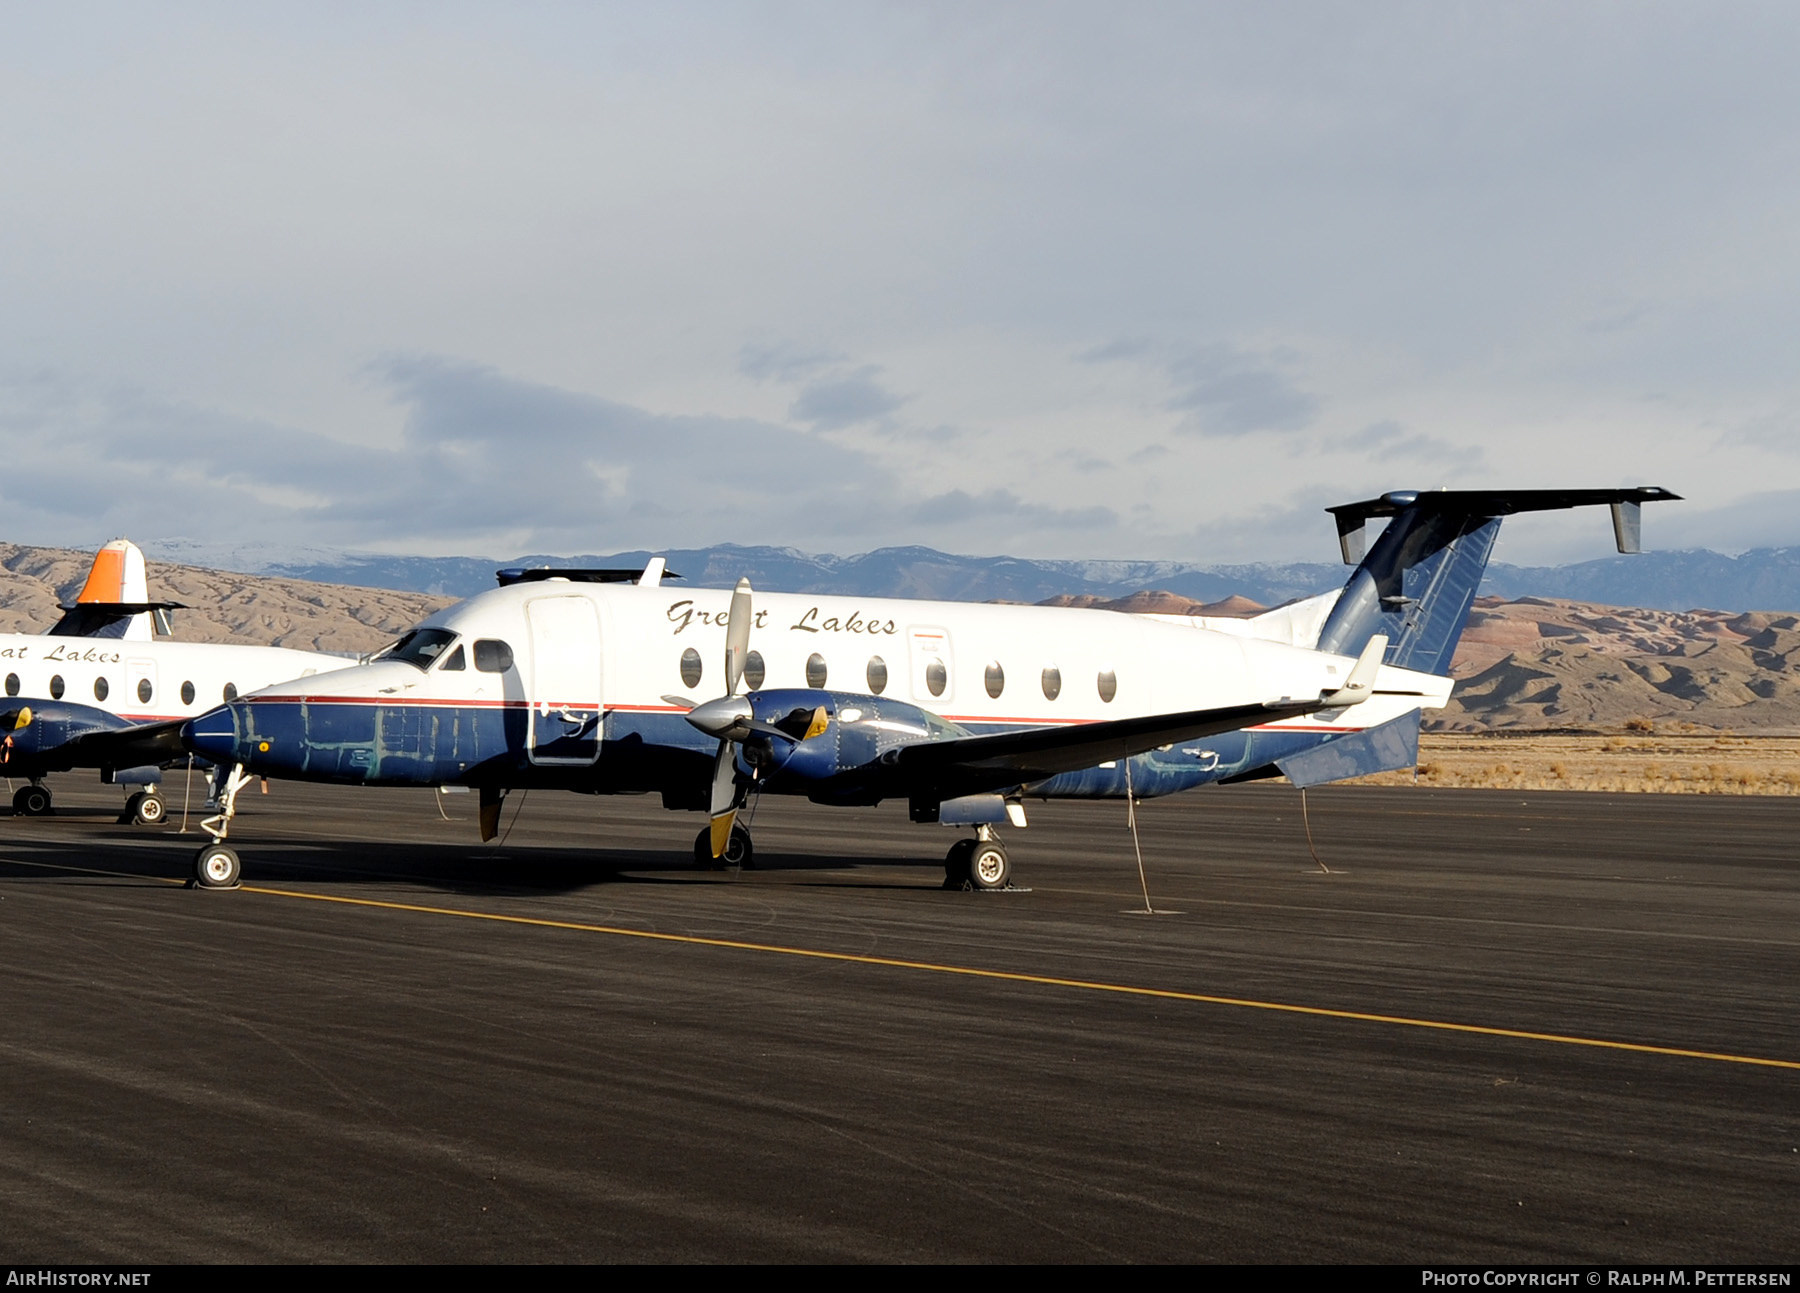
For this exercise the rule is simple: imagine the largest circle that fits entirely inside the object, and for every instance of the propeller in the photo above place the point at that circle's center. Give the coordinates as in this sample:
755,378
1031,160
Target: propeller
733,720
729,718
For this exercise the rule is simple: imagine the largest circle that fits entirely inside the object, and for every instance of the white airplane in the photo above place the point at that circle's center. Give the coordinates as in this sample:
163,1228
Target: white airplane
100,690
568,679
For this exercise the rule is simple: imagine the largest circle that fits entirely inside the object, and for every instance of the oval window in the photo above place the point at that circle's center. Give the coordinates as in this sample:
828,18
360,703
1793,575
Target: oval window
1109,685
877,675
691,667
815,670
56,686
1052,682
230,692
936,677
996,680
145,691
100,689
187,693
12,684
754,671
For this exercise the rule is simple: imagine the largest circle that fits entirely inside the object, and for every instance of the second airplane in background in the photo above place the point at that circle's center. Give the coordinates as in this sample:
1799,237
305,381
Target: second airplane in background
101,690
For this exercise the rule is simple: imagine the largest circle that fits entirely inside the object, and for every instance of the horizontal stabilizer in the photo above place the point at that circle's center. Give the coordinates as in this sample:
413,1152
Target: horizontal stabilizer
1626,506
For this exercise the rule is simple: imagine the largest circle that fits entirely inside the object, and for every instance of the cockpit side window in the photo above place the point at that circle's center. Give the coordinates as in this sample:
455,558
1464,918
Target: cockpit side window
420,647
455,661
492,655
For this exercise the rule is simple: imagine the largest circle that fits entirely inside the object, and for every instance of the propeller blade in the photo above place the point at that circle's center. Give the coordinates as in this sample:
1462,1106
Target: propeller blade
724,798
737,636
680,702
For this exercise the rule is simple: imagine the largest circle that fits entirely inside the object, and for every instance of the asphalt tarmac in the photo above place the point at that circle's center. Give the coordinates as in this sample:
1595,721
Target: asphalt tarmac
1541,1028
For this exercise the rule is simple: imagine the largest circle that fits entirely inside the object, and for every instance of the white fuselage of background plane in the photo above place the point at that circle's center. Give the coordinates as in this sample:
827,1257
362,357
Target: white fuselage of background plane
145,682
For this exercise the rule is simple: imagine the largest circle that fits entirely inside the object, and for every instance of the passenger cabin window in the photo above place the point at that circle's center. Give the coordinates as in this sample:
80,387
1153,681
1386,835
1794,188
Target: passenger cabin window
877,675
56,686
455,662
754,670
1109,685
815,670
422,646
937,677
12,684
995,679
1052,683
100,689
145,691
492,655
230,692
187,693
691,668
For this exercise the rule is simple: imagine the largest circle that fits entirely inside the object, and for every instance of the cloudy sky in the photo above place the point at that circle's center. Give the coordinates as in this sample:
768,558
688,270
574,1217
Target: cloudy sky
1052,280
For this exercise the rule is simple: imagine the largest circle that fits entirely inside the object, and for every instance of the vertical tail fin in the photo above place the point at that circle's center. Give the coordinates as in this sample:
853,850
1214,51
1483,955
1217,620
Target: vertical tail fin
115,601
1418,582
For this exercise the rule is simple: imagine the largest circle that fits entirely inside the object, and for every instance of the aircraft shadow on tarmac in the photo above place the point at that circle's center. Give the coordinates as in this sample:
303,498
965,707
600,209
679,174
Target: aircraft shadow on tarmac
471,868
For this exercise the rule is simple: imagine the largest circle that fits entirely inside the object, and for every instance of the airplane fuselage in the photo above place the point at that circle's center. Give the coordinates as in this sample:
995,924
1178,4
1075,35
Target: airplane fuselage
573,685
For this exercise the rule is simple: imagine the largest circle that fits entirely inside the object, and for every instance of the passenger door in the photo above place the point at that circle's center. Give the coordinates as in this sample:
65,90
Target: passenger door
565,680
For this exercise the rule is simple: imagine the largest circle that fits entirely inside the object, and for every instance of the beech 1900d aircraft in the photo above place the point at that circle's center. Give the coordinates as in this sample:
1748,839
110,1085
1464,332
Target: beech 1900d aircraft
100,691
569,679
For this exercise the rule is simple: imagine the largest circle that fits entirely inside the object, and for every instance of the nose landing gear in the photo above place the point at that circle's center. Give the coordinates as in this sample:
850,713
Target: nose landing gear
215,865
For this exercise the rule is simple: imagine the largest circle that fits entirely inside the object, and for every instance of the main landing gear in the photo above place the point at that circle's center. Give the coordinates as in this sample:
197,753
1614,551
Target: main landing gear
145,808
739,853
215,865
980,863
32,800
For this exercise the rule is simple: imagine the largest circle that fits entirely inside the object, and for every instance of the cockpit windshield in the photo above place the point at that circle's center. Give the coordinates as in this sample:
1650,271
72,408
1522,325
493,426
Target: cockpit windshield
420,647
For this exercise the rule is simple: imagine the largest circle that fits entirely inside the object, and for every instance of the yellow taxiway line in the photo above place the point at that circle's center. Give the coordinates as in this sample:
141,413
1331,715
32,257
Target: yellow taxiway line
977,972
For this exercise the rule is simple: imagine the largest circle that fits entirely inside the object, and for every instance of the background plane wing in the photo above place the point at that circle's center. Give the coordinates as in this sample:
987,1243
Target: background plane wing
146,744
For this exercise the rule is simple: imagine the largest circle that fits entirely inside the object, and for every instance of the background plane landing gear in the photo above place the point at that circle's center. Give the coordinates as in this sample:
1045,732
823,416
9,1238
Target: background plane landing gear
980,863
739,852
145,808
215,866
31,801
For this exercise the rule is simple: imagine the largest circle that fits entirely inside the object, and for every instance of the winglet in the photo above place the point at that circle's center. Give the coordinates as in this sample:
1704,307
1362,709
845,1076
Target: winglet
1361,682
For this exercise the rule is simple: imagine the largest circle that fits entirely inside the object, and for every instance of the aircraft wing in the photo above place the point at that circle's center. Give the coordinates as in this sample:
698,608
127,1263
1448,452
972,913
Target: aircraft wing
127,747
971,764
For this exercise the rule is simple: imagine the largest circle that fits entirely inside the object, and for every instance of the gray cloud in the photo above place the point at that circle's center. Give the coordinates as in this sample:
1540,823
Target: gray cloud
784,361
844,399
1231,393
1390,442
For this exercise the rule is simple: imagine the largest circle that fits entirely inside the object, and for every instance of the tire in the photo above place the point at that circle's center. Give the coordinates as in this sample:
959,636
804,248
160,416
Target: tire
739,852
989,867
148,810
217,867
31,801
956,864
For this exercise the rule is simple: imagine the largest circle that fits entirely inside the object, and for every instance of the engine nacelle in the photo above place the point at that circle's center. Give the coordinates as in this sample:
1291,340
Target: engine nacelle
858,730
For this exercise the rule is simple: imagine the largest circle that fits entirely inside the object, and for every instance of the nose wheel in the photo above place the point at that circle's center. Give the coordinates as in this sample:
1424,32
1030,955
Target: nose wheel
215,865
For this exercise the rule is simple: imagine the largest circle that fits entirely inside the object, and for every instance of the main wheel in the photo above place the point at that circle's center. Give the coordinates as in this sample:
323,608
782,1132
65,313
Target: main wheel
31,801
739,852
988,866
956,864
217,867
148,809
